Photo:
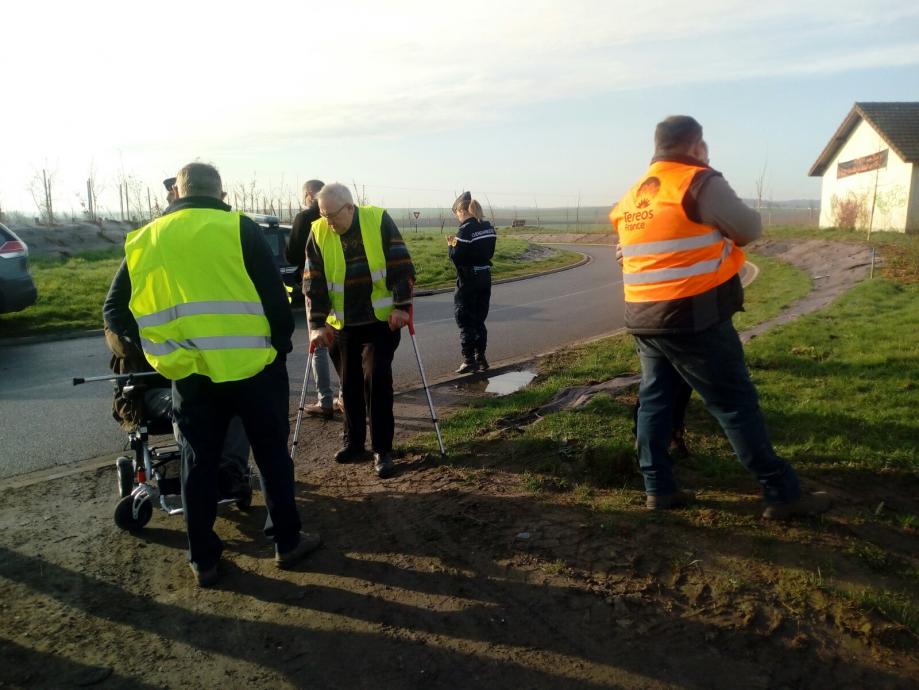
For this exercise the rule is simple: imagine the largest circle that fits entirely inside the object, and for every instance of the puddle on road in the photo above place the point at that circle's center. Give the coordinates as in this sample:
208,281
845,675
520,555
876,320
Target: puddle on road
512,381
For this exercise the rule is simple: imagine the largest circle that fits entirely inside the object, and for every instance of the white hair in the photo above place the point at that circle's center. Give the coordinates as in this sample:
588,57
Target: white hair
337,193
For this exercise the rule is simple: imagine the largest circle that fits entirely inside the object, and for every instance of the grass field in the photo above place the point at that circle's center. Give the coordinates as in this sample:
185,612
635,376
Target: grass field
71,291
838,389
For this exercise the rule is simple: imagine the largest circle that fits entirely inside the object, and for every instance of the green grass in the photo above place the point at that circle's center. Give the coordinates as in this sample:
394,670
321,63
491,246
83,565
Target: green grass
70,294
838,389
595,443
71,290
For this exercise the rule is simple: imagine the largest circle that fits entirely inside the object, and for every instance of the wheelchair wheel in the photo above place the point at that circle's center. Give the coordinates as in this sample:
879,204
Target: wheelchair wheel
125,467
124,514
244,502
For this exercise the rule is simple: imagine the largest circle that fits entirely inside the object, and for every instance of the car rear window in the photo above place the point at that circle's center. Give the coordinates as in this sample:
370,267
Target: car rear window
4,233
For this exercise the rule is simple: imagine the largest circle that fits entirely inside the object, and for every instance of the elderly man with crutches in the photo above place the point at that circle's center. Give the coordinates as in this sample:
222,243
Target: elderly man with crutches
358,284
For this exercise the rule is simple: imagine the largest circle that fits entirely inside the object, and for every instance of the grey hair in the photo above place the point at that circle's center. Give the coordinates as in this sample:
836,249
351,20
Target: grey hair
199,179
337,193
312,187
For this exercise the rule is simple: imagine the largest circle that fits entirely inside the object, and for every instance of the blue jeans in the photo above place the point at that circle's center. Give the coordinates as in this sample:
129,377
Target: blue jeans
712,362
321,364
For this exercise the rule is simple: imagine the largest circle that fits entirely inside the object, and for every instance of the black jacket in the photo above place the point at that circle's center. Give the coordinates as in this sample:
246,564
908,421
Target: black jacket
295,252
475,244
260,266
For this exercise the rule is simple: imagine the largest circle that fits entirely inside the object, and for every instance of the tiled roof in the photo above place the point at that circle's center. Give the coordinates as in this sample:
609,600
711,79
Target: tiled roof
896,122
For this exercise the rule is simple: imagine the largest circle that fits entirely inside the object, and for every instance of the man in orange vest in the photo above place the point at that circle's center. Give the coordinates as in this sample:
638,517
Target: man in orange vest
680,228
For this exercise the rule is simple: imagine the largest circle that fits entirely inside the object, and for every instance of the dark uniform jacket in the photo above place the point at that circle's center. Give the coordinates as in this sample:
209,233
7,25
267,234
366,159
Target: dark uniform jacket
475,244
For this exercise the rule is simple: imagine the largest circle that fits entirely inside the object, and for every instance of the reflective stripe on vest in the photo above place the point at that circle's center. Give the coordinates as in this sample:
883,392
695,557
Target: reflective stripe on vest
195,308
195,304
213,342
666,255
328,241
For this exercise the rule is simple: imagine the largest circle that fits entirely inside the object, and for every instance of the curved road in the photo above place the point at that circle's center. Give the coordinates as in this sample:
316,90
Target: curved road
45,421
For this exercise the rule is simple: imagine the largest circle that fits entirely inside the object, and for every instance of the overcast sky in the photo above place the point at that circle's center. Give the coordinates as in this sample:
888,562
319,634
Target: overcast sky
528,102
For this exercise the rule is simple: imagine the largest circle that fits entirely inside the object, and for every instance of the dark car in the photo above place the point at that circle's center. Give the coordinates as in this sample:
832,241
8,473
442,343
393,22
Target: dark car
277,236
17,291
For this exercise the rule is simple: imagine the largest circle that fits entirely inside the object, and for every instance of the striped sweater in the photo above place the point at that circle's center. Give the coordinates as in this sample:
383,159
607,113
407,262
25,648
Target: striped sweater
400,276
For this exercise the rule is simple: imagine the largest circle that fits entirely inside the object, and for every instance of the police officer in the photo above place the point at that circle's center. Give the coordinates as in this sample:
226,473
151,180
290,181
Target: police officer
213,317
471,250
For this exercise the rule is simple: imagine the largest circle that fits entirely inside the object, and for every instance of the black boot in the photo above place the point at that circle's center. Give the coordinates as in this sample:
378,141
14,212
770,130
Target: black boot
481,361
469,366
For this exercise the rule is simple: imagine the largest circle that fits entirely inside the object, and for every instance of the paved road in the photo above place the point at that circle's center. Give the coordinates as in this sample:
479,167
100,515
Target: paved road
45,421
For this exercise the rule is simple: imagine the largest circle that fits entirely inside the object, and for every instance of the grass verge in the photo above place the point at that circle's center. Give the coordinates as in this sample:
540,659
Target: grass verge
838,389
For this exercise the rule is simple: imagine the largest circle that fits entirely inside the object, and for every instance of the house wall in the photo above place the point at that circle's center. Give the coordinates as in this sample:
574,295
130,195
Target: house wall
912,215
895,185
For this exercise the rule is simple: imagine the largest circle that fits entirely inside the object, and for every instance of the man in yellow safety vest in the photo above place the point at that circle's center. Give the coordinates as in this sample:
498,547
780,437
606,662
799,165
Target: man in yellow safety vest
206,303
358,285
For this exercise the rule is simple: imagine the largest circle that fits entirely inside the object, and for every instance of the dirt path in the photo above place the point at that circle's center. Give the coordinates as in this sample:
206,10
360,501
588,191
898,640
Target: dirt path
446,576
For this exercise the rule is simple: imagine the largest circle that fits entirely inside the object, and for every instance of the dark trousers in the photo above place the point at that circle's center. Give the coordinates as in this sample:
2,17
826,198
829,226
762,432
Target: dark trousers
681,395
363,357
470,307
203,410
712,362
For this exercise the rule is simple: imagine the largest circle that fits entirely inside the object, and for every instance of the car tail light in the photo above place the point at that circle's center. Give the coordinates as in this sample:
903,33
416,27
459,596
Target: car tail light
13,248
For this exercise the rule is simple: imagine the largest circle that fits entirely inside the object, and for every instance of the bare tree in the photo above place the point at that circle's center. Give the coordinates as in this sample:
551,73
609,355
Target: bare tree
760,183
360,195
491,211
40,187
90,201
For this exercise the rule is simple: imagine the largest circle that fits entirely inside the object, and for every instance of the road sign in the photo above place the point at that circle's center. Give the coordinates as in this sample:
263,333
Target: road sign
417,214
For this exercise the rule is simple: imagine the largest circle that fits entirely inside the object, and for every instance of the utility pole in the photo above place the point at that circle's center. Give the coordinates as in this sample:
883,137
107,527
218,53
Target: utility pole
48,208
121,199
90,206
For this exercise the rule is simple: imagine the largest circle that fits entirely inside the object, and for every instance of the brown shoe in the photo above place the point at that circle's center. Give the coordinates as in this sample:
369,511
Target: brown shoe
808,505
678,499
319,411
339,405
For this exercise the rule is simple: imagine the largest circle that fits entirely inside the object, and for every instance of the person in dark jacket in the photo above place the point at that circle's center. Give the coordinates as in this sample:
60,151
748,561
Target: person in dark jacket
471,251
295,253
680,228
204,403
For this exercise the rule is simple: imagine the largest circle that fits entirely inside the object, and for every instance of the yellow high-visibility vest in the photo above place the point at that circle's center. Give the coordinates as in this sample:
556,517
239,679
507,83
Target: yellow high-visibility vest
333,259
195,304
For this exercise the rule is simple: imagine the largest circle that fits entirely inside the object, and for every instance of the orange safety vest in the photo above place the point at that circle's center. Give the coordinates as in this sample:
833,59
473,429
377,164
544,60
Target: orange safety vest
667,256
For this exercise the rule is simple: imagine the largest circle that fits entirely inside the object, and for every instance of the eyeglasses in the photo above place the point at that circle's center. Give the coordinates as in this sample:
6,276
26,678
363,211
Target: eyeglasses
330,216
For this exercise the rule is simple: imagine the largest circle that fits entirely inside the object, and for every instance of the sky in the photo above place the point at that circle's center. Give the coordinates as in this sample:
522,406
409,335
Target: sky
527,103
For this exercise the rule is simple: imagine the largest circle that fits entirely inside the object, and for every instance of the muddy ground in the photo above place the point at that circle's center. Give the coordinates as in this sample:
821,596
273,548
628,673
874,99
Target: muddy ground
449,575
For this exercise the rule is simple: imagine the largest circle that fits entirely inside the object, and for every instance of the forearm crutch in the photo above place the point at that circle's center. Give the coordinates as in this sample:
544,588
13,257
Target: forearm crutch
306,384
424,380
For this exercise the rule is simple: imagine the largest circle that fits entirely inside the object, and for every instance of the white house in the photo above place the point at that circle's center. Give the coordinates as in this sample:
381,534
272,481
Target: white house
870,169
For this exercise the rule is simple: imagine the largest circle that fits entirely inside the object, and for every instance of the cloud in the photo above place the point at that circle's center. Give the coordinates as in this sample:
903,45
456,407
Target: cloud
103,77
